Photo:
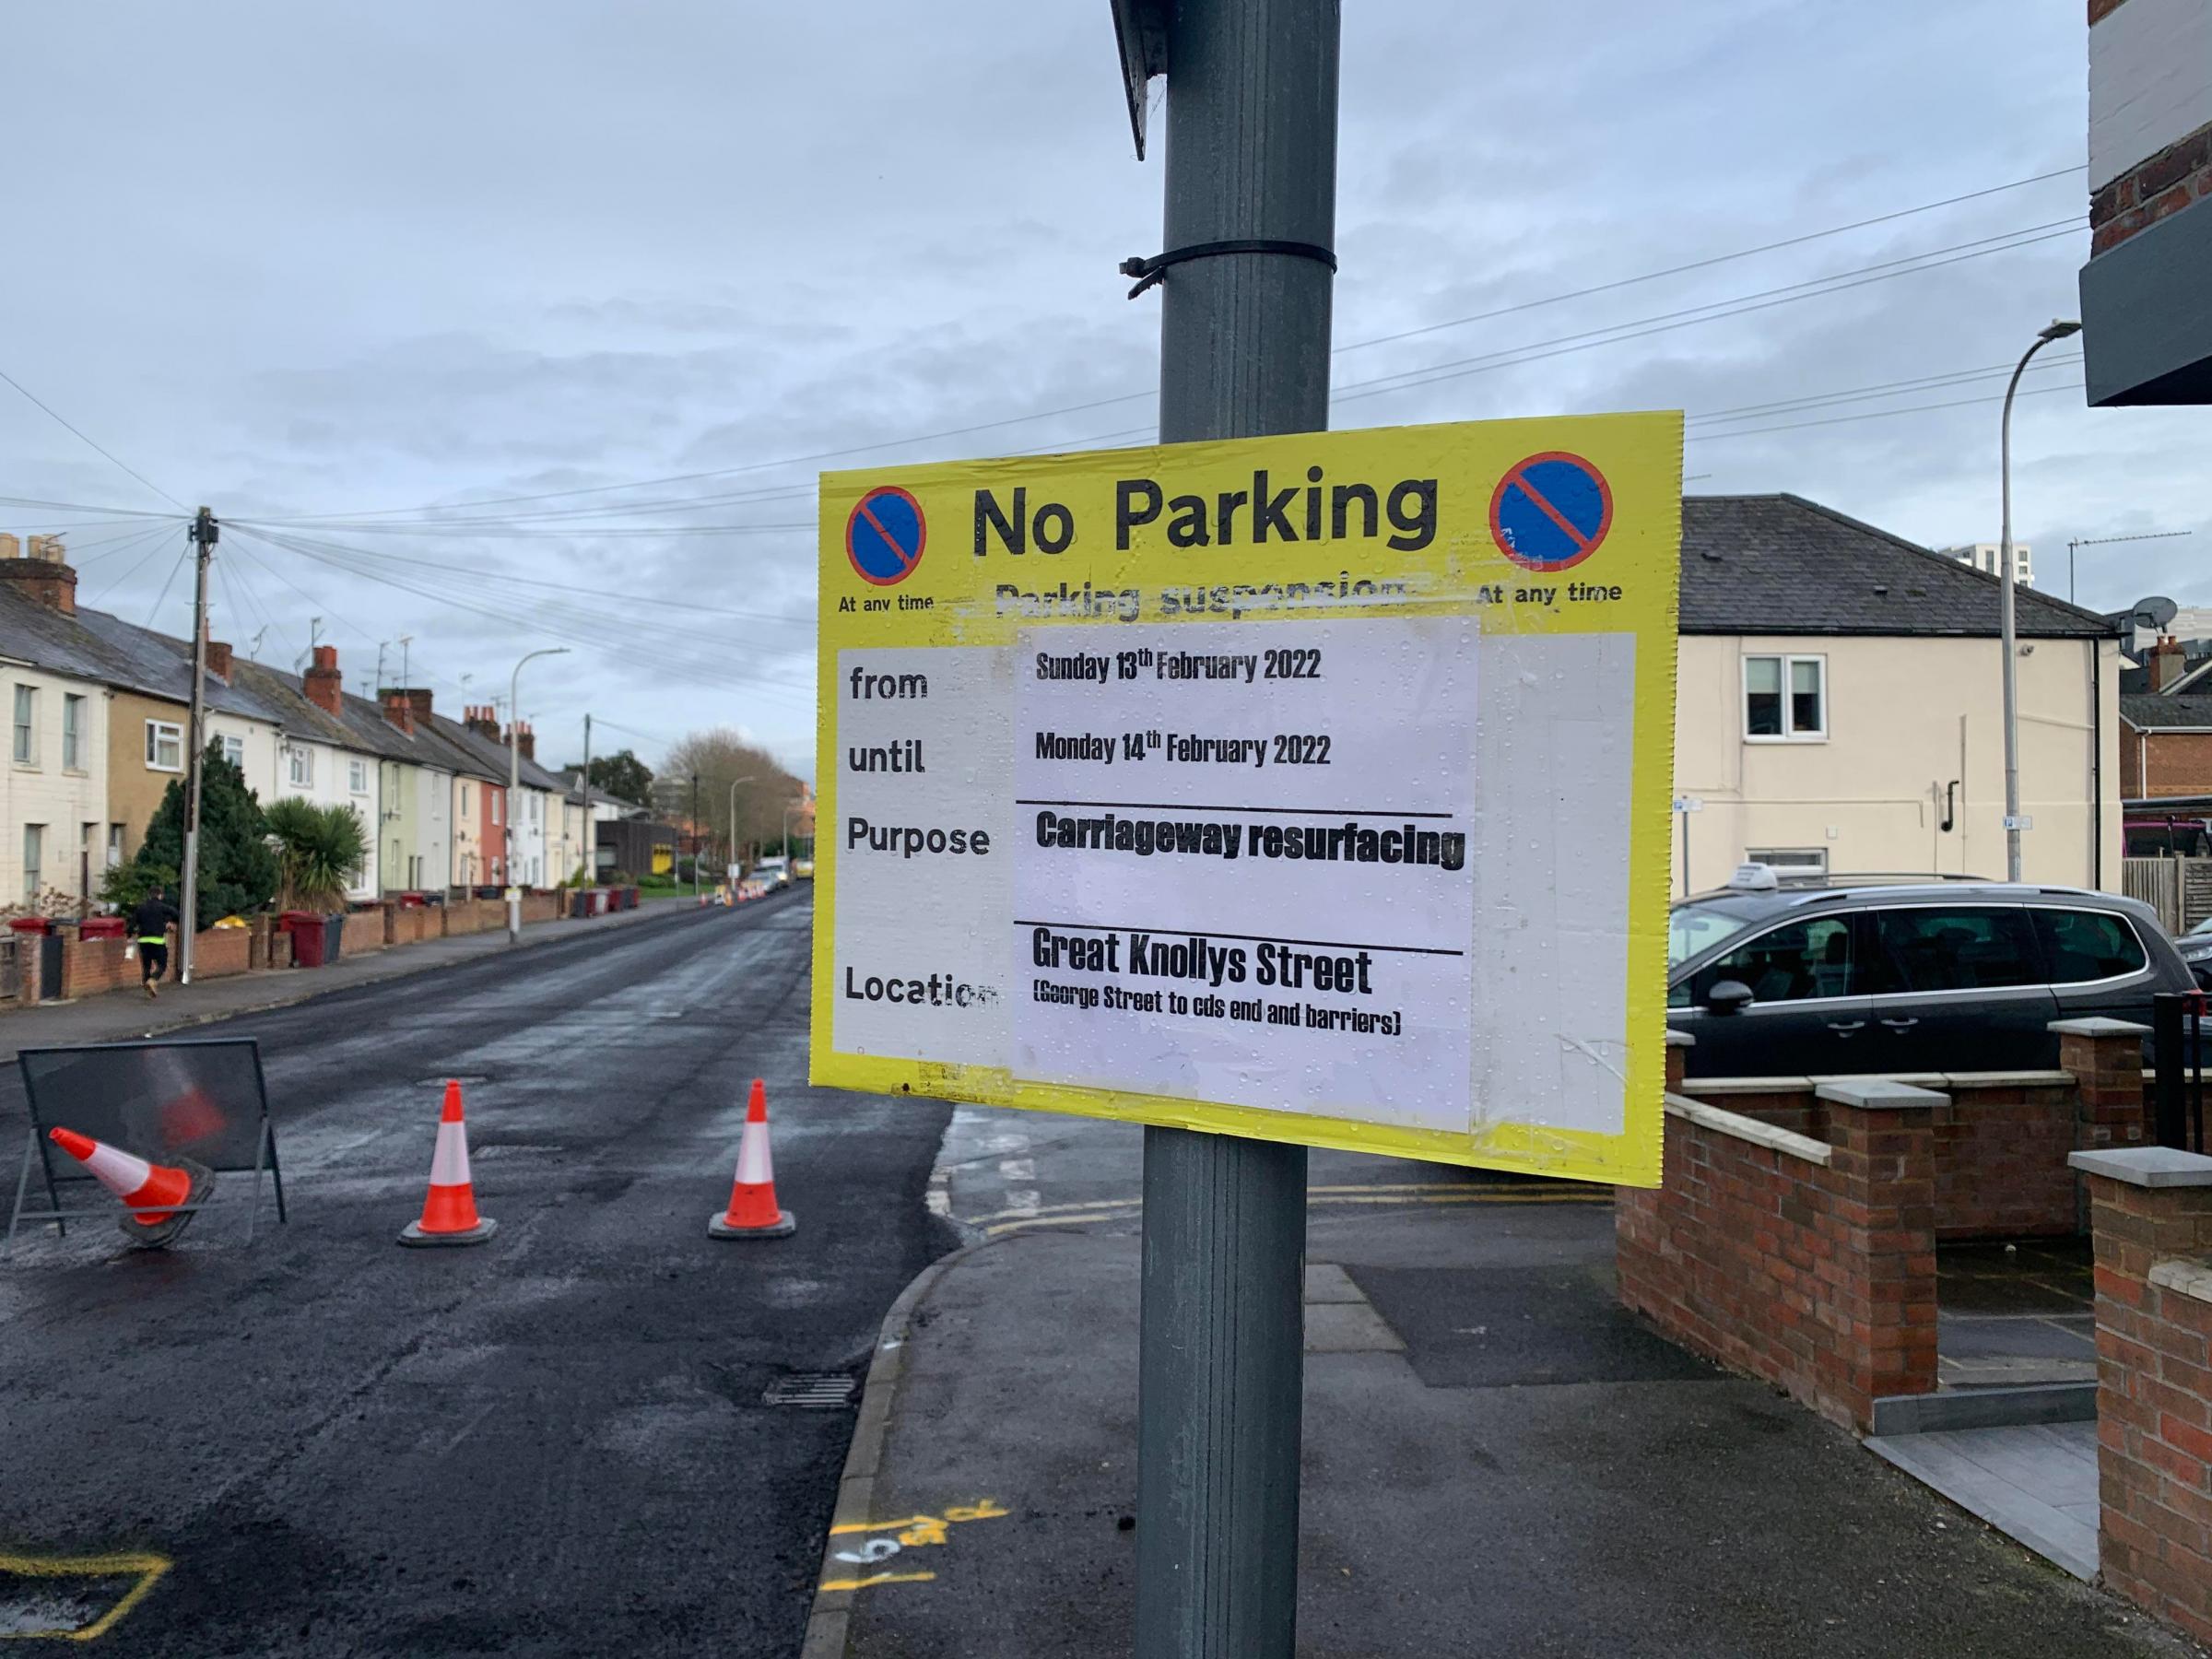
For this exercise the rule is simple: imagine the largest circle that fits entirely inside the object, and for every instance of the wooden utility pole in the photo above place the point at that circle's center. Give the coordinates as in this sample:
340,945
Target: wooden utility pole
204,533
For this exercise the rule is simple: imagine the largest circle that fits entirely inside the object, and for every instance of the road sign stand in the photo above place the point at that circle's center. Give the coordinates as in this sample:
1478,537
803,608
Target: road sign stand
221,1147
1244,352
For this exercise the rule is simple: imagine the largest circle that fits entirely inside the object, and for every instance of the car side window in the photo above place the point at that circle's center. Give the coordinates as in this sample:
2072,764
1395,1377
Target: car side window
1791,963
2079,946
1932,947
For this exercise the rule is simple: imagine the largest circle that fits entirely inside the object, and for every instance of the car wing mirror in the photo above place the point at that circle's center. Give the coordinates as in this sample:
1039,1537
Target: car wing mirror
1728,997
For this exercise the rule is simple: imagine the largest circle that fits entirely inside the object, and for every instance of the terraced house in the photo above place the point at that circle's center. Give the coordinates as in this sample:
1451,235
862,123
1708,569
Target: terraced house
98,710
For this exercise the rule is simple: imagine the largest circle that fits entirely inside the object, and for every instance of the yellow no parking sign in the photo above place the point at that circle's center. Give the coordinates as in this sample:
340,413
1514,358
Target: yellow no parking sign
1313,788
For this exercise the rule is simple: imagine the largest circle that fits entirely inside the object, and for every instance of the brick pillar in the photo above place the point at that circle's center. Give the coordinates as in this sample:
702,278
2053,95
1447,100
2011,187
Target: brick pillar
2151,1211
1884,1173
1679,1044
2105,1057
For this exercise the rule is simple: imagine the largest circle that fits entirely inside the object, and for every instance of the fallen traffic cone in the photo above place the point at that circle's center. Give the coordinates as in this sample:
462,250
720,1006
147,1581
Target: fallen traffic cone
753,1213
177,1191
449,1213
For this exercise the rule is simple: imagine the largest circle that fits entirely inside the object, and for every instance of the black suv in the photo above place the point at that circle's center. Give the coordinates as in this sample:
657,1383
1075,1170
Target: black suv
1943,976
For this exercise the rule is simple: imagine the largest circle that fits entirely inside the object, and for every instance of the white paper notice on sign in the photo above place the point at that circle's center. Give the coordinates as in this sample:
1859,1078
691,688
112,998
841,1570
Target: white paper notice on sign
1243,865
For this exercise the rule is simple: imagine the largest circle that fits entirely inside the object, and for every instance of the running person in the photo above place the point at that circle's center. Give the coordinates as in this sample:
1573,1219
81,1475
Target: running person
150,924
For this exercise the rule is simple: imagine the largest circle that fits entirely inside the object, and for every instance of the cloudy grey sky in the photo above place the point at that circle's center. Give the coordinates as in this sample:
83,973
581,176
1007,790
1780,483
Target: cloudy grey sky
307,261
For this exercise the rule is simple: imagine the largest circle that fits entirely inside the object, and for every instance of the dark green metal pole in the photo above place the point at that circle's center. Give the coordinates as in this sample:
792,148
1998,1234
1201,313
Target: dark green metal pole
1244,352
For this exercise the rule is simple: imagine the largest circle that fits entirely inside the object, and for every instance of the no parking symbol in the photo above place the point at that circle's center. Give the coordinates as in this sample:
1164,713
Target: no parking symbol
885,535
1552,512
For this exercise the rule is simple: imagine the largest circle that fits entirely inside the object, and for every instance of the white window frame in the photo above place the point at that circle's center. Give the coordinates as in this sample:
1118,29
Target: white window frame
34,866
26,750
234,751
1791,864
157,733
495,809
300,765
357,776
73,732
1789,733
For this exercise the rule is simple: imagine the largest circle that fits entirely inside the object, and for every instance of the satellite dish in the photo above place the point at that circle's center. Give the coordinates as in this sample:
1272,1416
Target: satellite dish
2156,611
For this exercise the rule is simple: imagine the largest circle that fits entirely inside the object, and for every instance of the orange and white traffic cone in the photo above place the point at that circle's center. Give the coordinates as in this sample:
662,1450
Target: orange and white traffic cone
157,1194
753,1212
449,1213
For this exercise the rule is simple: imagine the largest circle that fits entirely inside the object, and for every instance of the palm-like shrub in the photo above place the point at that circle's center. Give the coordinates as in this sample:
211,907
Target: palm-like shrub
318,849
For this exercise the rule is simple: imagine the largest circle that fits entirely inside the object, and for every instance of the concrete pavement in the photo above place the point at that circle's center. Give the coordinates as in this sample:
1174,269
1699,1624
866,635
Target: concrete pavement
1498,1459
570,1440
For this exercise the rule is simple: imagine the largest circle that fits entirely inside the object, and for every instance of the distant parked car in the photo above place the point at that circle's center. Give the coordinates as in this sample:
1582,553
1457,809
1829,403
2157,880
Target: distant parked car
2195,949
802,869
1922,977
775,872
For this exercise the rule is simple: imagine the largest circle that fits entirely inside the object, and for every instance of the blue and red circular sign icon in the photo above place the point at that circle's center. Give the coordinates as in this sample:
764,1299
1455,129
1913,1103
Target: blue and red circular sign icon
1552,512
885,535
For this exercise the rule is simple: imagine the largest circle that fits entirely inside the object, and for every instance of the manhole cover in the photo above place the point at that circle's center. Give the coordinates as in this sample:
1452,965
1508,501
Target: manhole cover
810,1390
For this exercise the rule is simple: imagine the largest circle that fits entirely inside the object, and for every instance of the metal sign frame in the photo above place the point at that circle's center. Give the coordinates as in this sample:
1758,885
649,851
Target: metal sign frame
264,1142
1141,30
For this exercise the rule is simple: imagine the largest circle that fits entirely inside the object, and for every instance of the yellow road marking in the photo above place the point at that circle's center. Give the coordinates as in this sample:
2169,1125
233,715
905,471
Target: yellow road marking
877,1578
147,1568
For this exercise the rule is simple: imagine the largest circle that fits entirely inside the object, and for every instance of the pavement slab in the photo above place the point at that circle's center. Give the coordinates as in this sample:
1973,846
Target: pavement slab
1461,1497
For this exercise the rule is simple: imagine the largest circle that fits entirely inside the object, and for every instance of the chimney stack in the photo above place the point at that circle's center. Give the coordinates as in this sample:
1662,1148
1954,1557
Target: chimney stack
2169,662
41,575
407,707
525,740
218,660
324,687
483,720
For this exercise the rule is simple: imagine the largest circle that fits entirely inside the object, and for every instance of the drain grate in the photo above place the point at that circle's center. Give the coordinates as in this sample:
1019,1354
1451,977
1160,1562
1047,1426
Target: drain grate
810,1390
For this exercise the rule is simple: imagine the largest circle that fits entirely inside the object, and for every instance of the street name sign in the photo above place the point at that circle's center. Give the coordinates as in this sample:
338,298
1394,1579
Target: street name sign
1315,788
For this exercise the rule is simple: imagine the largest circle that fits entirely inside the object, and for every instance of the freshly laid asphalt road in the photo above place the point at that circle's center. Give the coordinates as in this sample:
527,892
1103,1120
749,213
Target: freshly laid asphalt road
555,1443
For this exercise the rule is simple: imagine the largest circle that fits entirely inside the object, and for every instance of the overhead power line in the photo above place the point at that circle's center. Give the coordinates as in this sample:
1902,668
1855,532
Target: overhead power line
504,526
595,629
1744,305
969,429
158,538
78,432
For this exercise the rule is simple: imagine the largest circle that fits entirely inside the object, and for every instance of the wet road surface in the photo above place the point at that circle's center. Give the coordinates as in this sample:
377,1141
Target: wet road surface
555,1443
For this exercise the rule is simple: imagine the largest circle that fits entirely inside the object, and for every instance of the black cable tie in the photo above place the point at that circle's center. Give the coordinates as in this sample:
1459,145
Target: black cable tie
1149,271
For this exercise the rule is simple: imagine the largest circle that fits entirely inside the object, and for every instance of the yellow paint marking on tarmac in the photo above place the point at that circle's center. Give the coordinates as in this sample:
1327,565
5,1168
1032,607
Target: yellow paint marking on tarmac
877,1578
887,1538
147,1568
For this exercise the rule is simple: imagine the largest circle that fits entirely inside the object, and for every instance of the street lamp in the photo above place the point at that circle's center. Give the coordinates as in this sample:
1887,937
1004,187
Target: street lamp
2057,331
748,778
514,783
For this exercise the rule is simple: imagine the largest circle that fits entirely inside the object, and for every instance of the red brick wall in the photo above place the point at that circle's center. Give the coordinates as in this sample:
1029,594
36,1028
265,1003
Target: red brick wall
2173,763
2167,183
2000,1149
412,925
93,966
220,951
2154,1400
2001,1162
1820,1280
364,932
